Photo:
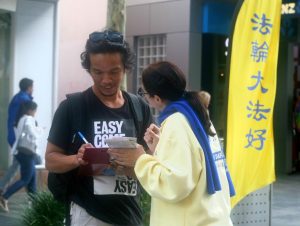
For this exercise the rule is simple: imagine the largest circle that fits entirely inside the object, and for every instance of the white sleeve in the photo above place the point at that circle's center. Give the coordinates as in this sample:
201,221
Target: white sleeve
31,127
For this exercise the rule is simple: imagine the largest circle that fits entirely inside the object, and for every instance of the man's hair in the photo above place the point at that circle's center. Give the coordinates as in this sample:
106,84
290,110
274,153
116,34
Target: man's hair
107,41
25,83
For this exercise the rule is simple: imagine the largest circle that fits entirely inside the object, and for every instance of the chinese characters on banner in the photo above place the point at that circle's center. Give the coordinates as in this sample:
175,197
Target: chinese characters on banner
256,111
252,89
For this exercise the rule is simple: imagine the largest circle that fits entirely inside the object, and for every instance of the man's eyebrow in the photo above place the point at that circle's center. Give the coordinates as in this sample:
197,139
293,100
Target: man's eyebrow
112,69
116,68
95,69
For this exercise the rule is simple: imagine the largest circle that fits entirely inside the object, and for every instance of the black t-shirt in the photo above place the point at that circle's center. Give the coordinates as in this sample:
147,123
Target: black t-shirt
112,199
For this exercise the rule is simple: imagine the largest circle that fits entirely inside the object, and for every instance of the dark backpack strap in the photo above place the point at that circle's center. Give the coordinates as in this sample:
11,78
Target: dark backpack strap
75,101
76,104
137,106
61,184
141,115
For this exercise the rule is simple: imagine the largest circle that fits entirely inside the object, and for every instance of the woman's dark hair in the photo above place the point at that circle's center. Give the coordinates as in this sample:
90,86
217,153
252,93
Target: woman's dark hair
167,81
25,108
25,83
108,41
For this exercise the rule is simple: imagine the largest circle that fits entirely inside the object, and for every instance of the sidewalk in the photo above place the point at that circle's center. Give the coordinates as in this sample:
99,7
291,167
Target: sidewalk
17,203
285,204
286,201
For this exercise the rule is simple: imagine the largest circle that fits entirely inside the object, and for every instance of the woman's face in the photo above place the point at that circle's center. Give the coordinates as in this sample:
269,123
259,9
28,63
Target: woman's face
155,101
32,112
151,101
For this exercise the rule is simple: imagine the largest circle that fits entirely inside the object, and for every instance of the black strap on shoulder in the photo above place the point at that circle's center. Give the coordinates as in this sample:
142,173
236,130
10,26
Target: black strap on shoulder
141,115
75,100
135,101
76,109
136,108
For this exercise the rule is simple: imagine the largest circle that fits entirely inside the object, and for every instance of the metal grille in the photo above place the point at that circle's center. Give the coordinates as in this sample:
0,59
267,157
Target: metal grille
254,209
150,49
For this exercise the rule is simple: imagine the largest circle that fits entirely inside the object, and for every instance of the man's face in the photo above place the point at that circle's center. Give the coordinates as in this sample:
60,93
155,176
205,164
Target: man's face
107,71
30,90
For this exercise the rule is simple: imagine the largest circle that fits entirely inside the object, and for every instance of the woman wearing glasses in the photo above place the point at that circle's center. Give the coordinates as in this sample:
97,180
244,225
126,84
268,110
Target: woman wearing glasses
186,176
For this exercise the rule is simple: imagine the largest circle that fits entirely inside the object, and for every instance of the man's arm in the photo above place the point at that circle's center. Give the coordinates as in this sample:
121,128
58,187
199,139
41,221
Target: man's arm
58,162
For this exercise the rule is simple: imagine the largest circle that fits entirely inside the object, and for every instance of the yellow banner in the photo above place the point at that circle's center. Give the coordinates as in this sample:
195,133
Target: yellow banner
252,88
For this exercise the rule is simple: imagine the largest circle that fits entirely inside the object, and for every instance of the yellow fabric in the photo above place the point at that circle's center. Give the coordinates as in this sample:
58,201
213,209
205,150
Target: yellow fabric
175,177
251,99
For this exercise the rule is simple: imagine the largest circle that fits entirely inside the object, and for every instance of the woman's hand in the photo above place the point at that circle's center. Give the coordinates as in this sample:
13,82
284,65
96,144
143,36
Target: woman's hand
126,156
122,170
151,137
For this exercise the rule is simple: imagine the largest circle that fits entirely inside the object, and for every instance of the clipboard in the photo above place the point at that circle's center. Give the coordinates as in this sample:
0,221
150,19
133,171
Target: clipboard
96,156
98,163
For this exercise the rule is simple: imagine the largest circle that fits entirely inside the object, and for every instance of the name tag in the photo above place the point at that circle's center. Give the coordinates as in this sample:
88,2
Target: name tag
115,185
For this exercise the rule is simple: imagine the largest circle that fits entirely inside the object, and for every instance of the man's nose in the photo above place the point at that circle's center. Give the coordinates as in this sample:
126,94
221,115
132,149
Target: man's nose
106,78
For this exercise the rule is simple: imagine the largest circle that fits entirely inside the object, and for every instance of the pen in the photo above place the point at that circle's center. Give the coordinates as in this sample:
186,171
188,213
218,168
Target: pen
82,137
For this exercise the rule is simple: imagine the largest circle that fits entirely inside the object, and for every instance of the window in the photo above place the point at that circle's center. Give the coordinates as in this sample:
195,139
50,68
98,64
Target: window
150,49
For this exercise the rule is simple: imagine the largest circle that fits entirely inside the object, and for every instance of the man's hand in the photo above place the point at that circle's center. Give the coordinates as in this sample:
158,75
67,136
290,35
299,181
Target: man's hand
58,162
79,156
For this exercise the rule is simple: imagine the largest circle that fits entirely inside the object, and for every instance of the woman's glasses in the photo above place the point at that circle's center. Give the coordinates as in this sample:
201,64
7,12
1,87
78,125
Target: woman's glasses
141,92
112,37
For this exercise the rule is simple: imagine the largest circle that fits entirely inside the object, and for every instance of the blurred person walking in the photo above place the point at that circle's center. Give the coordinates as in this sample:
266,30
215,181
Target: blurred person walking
25,94
26,126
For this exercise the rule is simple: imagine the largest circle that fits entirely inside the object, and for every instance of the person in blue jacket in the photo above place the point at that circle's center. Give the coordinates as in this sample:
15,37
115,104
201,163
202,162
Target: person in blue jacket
25,94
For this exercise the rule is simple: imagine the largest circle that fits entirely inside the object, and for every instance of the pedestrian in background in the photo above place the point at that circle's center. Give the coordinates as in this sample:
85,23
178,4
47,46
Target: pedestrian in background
25,157
204,98
25,94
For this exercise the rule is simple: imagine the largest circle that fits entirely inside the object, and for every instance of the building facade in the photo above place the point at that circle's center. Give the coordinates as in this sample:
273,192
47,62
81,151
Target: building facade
194,35
42,40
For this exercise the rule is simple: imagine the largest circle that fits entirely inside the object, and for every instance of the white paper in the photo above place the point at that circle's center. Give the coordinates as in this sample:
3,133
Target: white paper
121,142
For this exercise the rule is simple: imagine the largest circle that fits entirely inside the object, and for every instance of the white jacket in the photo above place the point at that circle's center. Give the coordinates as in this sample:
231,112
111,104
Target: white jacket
27,122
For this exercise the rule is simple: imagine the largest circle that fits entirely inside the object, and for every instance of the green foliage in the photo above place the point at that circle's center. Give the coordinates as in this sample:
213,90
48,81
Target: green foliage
145,203
44,211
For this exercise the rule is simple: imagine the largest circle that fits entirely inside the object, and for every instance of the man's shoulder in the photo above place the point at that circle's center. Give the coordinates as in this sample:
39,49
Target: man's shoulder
74,98
79,93
18,98
23,94
135,98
